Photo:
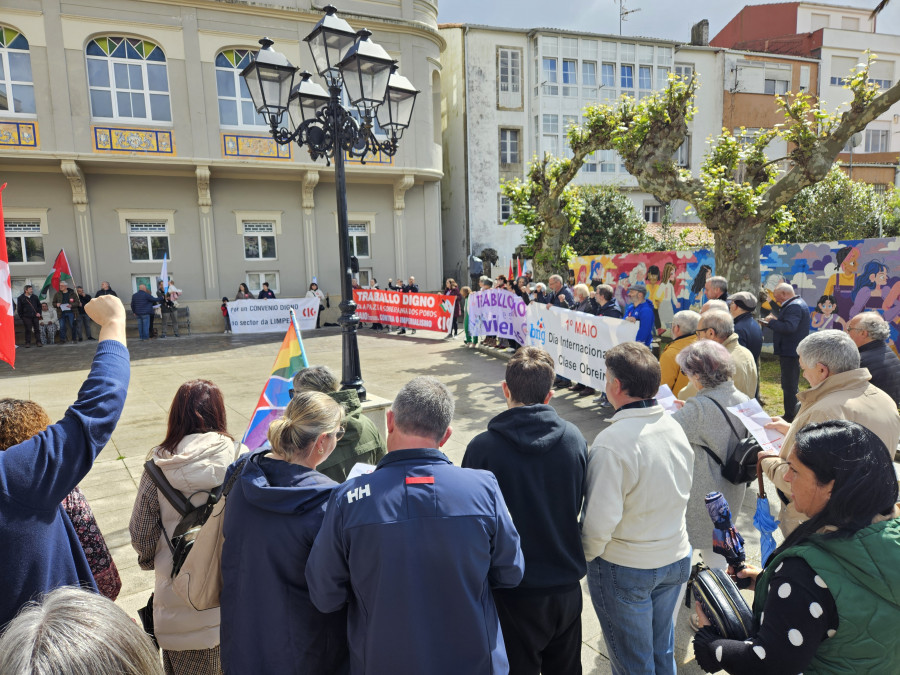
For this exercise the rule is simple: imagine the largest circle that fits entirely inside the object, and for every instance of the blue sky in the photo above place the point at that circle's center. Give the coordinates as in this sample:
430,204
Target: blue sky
657,18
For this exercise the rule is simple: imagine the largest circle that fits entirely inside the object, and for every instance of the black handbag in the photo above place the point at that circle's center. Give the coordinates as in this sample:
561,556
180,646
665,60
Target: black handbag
721,601
740,464
145,614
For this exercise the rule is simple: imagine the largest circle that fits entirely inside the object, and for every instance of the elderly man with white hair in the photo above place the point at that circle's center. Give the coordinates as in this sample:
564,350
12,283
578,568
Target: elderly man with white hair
790,327
717,304
869,331
718,326
839,390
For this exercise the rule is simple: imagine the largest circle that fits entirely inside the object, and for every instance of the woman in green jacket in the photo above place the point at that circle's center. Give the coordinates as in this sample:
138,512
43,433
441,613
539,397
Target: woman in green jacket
828,600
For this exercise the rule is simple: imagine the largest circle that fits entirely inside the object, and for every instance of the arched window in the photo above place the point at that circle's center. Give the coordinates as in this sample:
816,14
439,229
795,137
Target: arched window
16,85
235,105
127,80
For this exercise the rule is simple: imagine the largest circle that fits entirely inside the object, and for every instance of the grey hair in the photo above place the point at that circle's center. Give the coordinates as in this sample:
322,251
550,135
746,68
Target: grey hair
424,407
721,323
834,349
76,632
785,288
708,361
555,276
686,320
540,286
873,323
719,282
316,378
715,304
606,291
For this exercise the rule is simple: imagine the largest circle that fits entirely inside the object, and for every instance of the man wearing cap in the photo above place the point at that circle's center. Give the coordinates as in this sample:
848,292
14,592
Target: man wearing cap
414,550
748,331
641,311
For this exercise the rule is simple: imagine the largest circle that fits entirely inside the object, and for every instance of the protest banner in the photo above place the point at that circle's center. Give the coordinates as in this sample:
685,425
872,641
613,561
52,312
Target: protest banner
498,312
577,341
271,316
423,311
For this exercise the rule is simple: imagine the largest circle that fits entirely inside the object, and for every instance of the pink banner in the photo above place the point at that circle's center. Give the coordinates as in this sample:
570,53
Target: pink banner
423,311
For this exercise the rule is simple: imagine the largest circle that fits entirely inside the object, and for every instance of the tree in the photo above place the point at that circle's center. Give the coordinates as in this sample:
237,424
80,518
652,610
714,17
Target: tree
609,223
738,191
835,208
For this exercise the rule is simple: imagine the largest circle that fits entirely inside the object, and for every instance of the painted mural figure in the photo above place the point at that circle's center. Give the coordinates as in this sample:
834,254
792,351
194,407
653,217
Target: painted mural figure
666,295
867,293
843,281
824,317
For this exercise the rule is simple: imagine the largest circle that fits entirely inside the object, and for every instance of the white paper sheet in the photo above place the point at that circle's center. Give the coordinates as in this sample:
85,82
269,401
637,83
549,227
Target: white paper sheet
666,399
755,418
360,469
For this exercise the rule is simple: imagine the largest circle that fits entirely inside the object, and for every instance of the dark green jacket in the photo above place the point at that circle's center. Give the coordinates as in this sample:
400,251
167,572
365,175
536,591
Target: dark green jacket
863,575
361,441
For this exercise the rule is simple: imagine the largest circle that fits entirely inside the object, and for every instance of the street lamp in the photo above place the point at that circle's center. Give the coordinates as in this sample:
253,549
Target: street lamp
353,65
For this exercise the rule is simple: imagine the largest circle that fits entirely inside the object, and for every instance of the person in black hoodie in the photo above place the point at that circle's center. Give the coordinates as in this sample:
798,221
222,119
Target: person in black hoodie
539,460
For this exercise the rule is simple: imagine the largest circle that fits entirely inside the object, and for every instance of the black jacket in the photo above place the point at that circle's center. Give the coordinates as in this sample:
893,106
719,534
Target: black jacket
610,309
791,326
28,306
749,334
540,461
884,366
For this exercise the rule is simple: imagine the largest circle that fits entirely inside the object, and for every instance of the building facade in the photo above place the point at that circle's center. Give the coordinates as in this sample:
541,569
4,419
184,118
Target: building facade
127,136
511,95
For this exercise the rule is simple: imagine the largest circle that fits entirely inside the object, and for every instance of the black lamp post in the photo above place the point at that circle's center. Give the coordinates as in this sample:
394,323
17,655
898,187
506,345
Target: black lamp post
349,62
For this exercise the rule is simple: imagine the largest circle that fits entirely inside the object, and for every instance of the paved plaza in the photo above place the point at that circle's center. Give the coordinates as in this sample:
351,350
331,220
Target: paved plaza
240,366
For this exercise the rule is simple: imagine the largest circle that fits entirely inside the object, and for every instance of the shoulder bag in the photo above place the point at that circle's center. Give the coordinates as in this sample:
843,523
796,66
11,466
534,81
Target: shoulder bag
740,464
721,601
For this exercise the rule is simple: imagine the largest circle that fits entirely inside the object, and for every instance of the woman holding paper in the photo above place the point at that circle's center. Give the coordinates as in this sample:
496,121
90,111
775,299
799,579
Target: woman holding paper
709,366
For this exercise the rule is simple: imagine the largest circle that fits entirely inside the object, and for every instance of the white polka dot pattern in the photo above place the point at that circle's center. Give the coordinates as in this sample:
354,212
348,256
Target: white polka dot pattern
762,617
784,590
778,569
820,582
795,637
816,610
831,633
719,653
760,652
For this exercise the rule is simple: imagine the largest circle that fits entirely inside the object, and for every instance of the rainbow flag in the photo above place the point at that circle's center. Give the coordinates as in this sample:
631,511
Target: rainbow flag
275,396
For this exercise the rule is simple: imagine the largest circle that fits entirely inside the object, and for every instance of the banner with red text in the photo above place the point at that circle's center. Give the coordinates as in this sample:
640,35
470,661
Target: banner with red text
270,316
422,311
577,341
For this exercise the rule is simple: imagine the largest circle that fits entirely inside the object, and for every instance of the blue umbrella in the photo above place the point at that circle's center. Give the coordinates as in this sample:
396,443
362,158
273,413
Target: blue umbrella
763,520
727,541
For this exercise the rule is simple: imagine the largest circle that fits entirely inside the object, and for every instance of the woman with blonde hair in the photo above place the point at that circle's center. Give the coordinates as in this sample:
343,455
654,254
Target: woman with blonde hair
194,457
272,516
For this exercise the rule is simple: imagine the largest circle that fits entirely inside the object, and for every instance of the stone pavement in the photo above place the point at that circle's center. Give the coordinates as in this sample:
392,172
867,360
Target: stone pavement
240,364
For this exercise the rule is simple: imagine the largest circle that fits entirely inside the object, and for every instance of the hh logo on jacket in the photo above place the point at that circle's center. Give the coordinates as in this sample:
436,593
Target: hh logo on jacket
358,493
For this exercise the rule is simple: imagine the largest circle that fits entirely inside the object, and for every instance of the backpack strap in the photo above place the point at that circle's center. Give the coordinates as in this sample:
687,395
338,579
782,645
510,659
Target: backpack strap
727,418
173,496
238,470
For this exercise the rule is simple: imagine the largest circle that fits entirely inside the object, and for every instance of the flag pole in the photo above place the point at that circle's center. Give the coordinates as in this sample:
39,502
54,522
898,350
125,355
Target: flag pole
296,326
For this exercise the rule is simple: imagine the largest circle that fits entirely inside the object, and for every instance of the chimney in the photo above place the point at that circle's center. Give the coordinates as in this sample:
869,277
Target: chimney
700,33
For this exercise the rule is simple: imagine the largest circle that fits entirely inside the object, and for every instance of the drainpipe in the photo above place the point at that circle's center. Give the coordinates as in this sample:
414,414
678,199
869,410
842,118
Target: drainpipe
467,234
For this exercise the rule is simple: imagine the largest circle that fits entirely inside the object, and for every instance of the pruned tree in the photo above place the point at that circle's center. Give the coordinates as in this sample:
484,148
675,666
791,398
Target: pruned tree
739,189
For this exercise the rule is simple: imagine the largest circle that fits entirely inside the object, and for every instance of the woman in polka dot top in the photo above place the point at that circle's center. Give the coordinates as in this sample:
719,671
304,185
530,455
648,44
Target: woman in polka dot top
828,600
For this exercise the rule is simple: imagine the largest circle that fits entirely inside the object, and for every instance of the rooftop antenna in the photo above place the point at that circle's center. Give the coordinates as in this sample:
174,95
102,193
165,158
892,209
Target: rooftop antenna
623,13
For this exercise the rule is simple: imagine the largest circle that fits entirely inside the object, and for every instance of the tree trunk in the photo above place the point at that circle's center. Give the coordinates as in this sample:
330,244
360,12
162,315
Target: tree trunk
737,255
548,258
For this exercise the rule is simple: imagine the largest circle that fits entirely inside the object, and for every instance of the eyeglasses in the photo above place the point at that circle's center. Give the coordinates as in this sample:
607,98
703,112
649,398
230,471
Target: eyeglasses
339,434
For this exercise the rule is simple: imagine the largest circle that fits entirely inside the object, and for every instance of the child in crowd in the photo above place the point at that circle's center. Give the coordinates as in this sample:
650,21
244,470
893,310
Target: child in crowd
225,314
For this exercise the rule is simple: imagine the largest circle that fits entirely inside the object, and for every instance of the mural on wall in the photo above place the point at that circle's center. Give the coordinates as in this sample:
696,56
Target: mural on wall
838,279
674,279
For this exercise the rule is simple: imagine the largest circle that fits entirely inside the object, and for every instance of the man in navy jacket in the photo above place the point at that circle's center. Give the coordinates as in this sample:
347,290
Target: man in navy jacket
539,460
741,306
789,328
641,311
40,550
415,548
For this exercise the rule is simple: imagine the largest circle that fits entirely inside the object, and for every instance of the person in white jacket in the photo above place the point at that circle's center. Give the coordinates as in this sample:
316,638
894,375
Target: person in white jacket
639,475
194,457
315,292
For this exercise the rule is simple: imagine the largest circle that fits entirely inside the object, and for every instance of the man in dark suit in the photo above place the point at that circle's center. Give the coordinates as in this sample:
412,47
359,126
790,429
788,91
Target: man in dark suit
28,306
869,332
789,328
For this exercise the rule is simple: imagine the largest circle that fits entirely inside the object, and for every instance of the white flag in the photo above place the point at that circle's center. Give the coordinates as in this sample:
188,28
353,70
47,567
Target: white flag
164,275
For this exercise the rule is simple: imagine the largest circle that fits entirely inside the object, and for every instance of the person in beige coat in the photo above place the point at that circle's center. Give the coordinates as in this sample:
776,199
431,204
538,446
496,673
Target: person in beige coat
194,457
840,389
719,326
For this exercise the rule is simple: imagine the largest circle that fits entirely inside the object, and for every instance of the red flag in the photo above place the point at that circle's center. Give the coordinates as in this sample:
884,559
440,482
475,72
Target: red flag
7,327
510,276
60,272
518,267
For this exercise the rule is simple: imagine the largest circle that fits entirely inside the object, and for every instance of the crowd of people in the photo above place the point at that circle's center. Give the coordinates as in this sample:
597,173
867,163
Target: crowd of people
424,567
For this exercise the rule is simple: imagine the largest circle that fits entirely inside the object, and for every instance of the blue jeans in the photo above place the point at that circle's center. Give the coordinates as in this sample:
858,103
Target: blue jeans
635,608
143,326
67,319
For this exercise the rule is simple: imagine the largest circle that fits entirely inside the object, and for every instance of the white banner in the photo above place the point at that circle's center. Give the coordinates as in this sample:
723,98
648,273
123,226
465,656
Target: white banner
577,341
497,312
271,316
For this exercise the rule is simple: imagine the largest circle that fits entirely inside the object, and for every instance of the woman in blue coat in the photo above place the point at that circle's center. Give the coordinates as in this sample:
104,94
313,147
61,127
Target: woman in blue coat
272,516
